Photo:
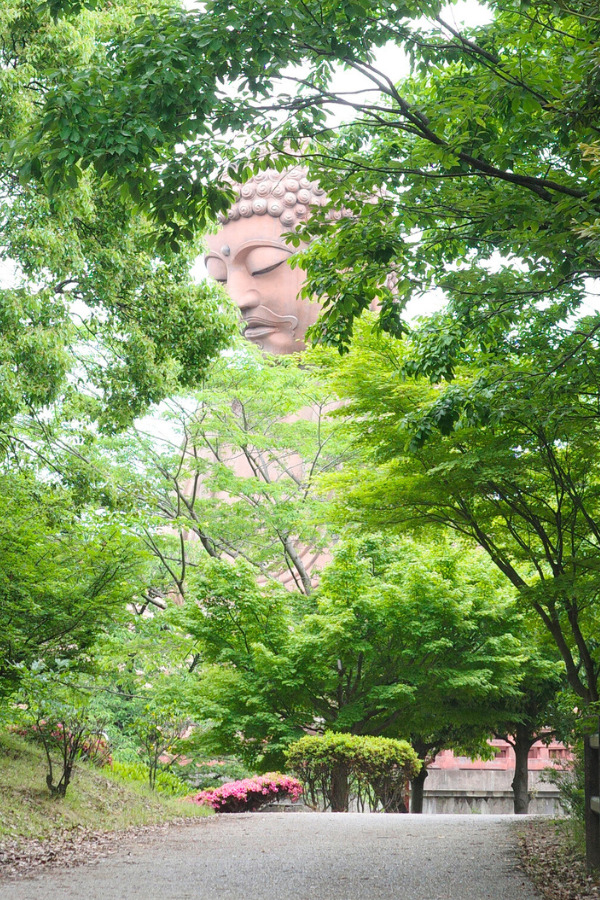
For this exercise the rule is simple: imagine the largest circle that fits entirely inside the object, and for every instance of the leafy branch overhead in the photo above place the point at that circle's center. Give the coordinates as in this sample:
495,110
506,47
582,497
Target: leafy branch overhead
91,312
483,148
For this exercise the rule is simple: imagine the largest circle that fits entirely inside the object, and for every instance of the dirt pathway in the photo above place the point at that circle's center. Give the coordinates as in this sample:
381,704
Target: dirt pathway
283,856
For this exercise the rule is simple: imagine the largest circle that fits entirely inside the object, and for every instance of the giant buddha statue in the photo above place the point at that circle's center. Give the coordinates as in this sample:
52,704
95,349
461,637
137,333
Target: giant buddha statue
250,256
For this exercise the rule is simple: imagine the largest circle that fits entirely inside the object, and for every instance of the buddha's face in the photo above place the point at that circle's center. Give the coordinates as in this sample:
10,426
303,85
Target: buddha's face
250,257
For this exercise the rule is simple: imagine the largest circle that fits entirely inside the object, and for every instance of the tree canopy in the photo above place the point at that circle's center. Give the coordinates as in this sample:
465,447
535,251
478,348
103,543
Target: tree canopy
507,455
92,313
229,470
64,577
399,640
488,146
121,131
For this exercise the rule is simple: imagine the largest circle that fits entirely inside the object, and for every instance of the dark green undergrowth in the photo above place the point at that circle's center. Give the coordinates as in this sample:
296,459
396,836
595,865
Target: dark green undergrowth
97,799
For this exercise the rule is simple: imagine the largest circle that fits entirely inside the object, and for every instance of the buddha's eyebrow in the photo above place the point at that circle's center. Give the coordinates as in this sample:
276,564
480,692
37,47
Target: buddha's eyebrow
263,242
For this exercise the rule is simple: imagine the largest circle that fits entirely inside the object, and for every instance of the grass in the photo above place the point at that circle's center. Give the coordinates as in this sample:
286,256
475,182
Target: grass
95,800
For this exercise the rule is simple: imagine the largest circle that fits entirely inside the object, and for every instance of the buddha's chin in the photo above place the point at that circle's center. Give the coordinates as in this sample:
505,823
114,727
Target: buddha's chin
272,339
276,343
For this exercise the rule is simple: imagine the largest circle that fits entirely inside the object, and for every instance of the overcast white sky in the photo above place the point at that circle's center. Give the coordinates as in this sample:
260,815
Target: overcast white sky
395,64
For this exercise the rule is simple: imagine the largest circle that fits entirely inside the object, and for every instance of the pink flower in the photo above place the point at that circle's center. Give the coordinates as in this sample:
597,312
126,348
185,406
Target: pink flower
249,793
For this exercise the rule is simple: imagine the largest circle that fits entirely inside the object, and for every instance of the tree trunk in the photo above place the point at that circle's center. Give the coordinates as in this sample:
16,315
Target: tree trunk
340,791
416,791
520,782
592,819
392,793
396,806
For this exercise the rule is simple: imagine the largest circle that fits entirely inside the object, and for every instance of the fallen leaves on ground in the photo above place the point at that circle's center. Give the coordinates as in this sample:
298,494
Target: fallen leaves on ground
68,848
554,863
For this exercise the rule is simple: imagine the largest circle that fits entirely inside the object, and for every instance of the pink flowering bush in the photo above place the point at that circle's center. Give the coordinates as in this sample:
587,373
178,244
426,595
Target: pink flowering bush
92,746
250,793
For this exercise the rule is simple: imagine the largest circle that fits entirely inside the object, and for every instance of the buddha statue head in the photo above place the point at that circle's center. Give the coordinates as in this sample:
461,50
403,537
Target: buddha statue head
251,257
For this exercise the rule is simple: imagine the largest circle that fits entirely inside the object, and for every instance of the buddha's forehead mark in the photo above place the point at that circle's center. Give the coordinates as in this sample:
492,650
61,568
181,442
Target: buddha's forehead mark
226,250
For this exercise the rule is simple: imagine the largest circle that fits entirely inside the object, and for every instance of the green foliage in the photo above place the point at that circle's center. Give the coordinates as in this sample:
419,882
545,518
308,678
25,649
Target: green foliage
92,314
488,146
97,800
382,766
64,576
211,773
400,639
165,782
246,688
229,471
506,455
143,689
571,785
159,732
55,712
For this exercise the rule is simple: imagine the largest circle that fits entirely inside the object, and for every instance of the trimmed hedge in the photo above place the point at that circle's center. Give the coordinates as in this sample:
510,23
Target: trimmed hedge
335,767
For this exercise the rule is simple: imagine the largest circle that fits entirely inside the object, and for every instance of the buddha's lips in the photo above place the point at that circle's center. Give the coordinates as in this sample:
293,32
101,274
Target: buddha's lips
262,321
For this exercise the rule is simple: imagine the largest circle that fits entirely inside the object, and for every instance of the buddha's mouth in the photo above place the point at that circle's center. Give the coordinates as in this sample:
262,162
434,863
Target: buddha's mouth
262,321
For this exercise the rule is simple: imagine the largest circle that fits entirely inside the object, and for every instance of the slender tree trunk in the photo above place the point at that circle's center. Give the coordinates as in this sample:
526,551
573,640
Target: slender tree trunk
396,806
520,782
339,796
417,785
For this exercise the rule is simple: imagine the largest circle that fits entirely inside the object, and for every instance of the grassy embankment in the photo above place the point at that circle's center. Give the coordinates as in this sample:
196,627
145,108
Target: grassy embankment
96,799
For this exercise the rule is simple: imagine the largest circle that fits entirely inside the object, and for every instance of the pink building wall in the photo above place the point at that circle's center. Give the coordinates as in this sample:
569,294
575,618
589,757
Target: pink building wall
541,756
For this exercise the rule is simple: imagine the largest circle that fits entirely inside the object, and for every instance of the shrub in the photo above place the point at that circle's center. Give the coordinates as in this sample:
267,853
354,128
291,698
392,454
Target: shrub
570,783
250,793
336,766
165,783
203,774
92,747
64,743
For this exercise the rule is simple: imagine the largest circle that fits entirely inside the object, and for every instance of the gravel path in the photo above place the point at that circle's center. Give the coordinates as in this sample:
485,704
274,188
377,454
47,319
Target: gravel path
283,856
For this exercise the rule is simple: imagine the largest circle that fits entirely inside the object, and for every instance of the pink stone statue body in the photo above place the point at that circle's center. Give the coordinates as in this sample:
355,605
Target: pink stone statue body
251,258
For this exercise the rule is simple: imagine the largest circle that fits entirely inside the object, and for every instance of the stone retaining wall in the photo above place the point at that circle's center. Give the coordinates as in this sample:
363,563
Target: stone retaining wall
484,791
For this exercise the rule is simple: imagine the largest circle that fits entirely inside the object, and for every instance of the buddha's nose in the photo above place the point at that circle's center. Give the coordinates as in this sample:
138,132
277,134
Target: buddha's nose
242,290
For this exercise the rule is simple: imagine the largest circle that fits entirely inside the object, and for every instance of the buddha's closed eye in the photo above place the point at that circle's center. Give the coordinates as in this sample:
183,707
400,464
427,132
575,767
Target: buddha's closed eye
262,260
259,260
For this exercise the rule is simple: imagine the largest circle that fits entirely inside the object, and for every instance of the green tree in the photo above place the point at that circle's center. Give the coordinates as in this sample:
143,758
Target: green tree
399,640
423,641
487,146
524,487
507,455
64,576
334,766
248,694
56,713
93,313
530,717
228,471
143,682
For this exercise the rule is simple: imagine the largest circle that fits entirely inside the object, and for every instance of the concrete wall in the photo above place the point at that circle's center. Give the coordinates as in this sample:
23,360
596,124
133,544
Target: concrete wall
483,791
